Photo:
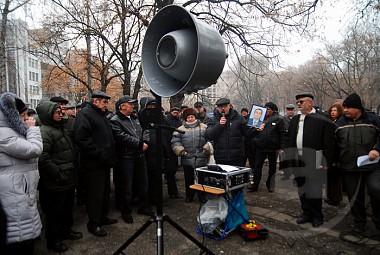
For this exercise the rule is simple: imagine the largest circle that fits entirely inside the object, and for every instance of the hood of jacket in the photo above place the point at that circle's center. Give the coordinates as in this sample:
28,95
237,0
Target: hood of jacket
45,111
11,114
144,101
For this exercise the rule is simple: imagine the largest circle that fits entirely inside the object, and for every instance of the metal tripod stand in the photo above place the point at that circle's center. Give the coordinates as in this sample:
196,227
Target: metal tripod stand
160,217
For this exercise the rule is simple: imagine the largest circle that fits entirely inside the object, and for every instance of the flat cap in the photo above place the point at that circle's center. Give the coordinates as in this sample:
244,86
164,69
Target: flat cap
290,106
59,100
175,108
305,94
100,94
124,99
198,104
222,101
70,106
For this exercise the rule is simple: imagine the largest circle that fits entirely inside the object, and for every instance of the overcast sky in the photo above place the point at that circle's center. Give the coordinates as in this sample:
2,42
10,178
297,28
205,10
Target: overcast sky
331,23
332,18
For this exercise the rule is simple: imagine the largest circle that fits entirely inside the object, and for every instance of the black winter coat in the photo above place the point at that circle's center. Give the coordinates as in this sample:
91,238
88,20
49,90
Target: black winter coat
318,135
228,140
173,121
128,135
273,136
94,138
56,163
357,138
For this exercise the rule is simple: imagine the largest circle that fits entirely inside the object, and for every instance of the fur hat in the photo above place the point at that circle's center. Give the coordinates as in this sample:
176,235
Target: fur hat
189,111
353,101
9,108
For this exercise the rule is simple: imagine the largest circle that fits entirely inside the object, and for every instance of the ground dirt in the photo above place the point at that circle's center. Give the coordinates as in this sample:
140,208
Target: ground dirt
275,211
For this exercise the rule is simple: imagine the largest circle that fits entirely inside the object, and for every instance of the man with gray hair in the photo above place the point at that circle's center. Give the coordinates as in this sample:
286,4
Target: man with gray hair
131,143
311,148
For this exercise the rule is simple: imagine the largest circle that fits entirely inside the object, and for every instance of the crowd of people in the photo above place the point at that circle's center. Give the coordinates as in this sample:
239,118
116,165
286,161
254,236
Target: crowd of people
63,152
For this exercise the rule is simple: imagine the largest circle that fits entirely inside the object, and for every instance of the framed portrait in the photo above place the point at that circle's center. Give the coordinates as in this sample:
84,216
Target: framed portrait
256,116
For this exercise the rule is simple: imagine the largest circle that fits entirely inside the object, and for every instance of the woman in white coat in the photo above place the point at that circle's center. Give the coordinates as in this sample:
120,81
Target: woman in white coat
20,147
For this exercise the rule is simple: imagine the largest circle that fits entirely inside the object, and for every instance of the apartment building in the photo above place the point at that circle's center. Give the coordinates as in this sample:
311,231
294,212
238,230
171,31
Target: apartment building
23,68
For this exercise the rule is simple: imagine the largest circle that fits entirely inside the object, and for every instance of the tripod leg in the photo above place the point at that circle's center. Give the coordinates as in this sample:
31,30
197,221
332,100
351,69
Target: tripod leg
190,237
160,237
133,237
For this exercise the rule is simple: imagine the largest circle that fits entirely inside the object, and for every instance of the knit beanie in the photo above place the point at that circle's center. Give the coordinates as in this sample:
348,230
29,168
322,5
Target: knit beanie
271,106
20,105
189,111
353,101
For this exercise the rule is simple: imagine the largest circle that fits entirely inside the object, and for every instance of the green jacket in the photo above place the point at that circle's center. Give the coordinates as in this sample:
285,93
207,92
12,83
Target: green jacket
56,163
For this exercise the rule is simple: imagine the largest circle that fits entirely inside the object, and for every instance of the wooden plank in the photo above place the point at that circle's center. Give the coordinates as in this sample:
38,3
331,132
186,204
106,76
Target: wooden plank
207,189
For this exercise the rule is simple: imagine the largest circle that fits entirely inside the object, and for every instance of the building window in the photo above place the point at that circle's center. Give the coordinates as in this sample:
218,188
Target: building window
35,90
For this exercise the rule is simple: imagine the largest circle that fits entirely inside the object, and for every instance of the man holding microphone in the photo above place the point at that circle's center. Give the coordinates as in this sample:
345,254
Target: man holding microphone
227,129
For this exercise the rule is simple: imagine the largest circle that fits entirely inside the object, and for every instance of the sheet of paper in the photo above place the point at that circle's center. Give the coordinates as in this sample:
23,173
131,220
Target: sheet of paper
318,159
364,160
228,168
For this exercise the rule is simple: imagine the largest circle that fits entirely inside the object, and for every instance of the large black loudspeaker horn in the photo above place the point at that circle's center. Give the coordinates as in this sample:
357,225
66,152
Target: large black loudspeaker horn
181,53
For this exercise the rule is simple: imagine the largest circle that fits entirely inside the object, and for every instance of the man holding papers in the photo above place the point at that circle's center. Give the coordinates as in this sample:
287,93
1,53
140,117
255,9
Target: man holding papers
358,135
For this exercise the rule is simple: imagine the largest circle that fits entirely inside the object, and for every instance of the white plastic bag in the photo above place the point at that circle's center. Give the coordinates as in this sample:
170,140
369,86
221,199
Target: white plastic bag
212,214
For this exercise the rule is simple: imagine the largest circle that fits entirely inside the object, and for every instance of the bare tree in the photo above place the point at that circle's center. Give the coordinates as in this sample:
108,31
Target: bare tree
249,82
116,29
352,66
112,27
